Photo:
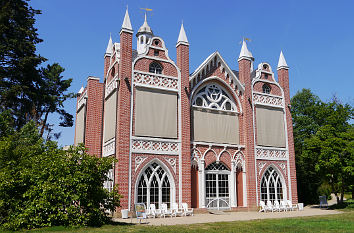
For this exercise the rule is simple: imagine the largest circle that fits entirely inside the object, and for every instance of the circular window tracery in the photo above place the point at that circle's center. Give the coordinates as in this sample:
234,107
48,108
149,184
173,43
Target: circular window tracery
214,97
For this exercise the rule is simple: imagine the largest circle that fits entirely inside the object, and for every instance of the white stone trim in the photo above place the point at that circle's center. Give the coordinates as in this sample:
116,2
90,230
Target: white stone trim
200,85
271,153
109,148
111,86
155,80
268,100
195,143
146,145
172,162
82,101
138,161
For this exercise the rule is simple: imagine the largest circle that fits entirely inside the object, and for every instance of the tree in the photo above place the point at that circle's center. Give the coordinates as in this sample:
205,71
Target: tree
332,145
305,109
30,92
43,185
323,145
51,93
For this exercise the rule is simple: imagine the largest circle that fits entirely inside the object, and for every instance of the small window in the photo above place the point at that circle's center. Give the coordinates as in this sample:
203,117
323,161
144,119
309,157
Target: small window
155,68
265,66
156,52
266,89
156,42
113,72
265,76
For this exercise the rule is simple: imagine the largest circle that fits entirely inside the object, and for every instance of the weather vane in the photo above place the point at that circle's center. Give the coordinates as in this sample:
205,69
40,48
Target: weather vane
245,39
146,10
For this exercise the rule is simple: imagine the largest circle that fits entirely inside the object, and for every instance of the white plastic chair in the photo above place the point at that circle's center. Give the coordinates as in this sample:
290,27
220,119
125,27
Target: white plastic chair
283,206
153,211
175,210
186,210
164,211
263,207
276,206
270,206
291,206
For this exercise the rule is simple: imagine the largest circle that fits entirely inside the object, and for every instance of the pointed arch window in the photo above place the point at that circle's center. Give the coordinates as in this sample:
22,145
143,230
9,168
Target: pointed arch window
155,68
154,186
271,186
266,89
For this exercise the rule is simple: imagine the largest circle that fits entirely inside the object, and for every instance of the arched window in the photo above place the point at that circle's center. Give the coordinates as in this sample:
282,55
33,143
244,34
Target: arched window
266,89
214,97
217,186
271,186
155,68
154,186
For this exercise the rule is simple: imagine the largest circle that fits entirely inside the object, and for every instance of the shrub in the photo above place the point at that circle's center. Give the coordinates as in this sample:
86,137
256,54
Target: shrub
43,185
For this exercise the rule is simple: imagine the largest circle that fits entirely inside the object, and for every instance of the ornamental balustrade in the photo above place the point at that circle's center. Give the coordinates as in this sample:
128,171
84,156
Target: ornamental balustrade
153,146
82,101
155,80
270,100
271,153
111,86
109,147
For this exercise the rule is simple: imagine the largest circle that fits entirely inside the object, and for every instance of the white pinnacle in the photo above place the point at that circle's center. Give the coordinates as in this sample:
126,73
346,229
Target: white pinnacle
126,23
182,38
109,49
282,62
81,90
245,53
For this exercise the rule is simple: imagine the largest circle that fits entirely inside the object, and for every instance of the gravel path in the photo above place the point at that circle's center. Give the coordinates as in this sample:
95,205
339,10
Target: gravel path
232,216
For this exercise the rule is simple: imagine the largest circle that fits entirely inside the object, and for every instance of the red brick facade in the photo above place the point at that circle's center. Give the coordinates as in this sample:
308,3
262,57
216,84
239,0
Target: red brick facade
185,158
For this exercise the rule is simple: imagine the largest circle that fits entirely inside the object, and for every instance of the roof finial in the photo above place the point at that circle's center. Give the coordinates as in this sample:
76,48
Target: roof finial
182,38
109,49
282,62
245,53
126,22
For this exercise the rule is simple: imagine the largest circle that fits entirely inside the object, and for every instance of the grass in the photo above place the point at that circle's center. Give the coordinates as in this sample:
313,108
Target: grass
329,223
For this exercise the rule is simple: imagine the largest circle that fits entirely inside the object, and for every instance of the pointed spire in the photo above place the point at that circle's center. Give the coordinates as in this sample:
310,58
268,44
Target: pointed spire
245,53
282,62
109,49
126,23
182,38
145,28
81,90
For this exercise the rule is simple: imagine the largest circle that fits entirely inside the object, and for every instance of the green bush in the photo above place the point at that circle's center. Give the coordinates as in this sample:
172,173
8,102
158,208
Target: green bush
43,185
325,190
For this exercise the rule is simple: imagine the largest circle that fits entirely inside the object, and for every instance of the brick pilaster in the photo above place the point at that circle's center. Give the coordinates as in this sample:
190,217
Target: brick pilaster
123,116
183,64
247,128
283,78
94,108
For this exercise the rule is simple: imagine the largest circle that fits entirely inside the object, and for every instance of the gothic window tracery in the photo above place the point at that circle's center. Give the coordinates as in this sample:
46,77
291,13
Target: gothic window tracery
154,186
271,186
214,97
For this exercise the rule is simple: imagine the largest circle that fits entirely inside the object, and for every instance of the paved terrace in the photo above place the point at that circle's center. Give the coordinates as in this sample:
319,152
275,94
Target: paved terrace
231,216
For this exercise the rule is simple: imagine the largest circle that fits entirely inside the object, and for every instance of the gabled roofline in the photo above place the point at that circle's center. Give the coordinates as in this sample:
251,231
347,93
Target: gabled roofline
224,64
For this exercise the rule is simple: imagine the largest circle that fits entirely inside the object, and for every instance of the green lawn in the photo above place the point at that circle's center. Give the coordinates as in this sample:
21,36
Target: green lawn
329,223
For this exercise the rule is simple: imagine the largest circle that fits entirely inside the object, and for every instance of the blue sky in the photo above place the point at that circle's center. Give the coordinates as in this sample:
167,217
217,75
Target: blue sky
317,37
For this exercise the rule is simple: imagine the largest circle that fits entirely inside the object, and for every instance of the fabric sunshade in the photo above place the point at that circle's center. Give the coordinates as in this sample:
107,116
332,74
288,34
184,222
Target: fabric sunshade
155,113
110,113
80,125
270,127
215,126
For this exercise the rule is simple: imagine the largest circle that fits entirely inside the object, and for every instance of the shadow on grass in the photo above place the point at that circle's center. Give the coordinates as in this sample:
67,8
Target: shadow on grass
345,205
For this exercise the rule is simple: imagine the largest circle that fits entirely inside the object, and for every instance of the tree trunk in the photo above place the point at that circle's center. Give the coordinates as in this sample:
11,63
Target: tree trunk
44,122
